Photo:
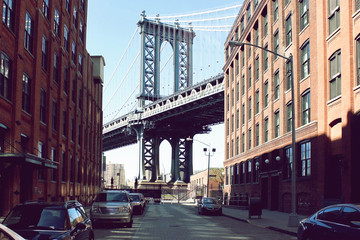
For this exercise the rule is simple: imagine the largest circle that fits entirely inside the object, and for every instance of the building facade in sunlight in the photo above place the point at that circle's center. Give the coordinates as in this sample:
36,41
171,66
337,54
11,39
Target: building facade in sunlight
323,38
50,104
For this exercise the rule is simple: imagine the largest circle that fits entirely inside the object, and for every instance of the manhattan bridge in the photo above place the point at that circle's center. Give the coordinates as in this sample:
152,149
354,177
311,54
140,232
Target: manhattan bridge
168,85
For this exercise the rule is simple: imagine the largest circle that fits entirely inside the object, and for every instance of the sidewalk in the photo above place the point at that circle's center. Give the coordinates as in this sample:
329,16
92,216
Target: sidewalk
273,220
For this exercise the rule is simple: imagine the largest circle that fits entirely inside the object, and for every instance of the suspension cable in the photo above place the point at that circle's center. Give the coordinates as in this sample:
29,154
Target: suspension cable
199,13
122,57
132,64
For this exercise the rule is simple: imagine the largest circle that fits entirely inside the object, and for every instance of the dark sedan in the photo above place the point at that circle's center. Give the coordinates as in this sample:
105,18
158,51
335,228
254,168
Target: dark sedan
335,222
209,205
44,220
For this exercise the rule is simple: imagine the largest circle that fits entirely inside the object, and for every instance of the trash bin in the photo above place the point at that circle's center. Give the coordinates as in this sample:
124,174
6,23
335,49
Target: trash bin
255,207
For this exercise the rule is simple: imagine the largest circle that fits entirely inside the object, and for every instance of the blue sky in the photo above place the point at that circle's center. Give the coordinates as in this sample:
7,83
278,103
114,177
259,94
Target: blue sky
110,25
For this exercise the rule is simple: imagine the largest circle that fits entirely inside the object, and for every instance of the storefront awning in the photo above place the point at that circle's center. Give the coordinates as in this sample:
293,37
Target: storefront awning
27,159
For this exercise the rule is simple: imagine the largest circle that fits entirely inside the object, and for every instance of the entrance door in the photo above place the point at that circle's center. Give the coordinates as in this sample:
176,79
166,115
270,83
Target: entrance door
26,180
274,193
264,192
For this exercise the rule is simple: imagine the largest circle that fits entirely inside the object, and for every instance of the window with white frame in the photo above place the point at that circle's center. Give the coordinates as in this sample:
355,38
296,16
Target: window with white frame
26,93
8,14
28,38
305,60
277,123
305,153
335,74
334,15
304,14
305,108
289,117
5,76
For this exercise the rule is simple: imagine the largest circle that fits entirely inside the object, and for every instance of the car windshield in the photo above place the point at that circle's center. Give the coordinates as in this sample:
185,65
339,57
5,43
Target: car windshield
135,197
111,197
25,217
210,201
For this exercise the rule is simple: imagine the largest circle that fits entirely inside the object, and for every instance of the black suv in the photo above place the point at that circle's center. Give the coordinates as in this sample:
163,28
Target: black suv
50,220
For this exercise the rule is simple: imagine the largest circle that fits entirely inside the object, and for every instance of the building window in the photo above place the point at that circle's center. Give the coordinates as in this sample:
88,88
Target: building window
66,79
243,84
228,102
46,9
232,97
79,170
67,5
42,105
26,92
242,58
227,176
237,145
249,77
304,14
256,34
232,123
250,108
63,167
28,38
256,166
237,91
55,70
73,92
72,129
64,123
250,136
5,77
266,94
277,123
66,38
289,117
56,22
8,14
334,15
44,52
72,170
53,158
305,154
276,9
266,129
266,58
357,5
286,2
305,108
276,43
248,175
237,119
243,114
81,27
358,59
248,11
257,134
80,66
243,142
54,115
41,172
265,23
305,60
288,164
288,30
289,74
335,74
73,51
257,68
257,101
74,16
276,85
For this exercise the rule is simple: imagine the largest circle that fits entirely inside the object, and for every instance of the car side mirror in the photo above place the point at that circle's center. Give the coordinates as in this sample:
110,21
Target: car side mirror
78,226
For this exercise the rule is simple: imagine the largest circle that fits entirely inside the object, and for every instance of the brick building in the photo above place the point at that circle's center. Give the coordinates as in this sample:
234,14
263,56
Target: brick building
50,103
198,183
323,38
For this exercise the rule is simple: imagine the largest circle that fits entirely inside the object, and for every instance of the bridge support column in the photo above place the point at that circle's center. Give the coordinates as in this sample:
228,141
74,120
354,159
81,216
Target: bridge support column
181,160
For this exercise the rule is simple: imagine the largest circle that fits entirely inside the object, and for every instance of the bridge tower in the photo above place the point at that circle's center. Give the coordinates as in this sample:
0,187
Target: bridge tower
152,35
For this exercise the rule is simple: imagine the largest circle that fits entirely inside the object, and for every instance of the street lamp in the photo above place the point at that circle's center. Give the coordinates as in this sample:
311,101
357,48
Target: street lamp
293,218
208,153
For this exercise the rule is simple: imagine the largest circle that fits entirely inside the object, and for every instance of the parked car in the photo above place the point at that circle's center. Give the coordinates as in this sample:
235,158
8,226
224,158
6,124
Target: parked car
138,202
340,222
112,206
209,205
8,234
50,220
